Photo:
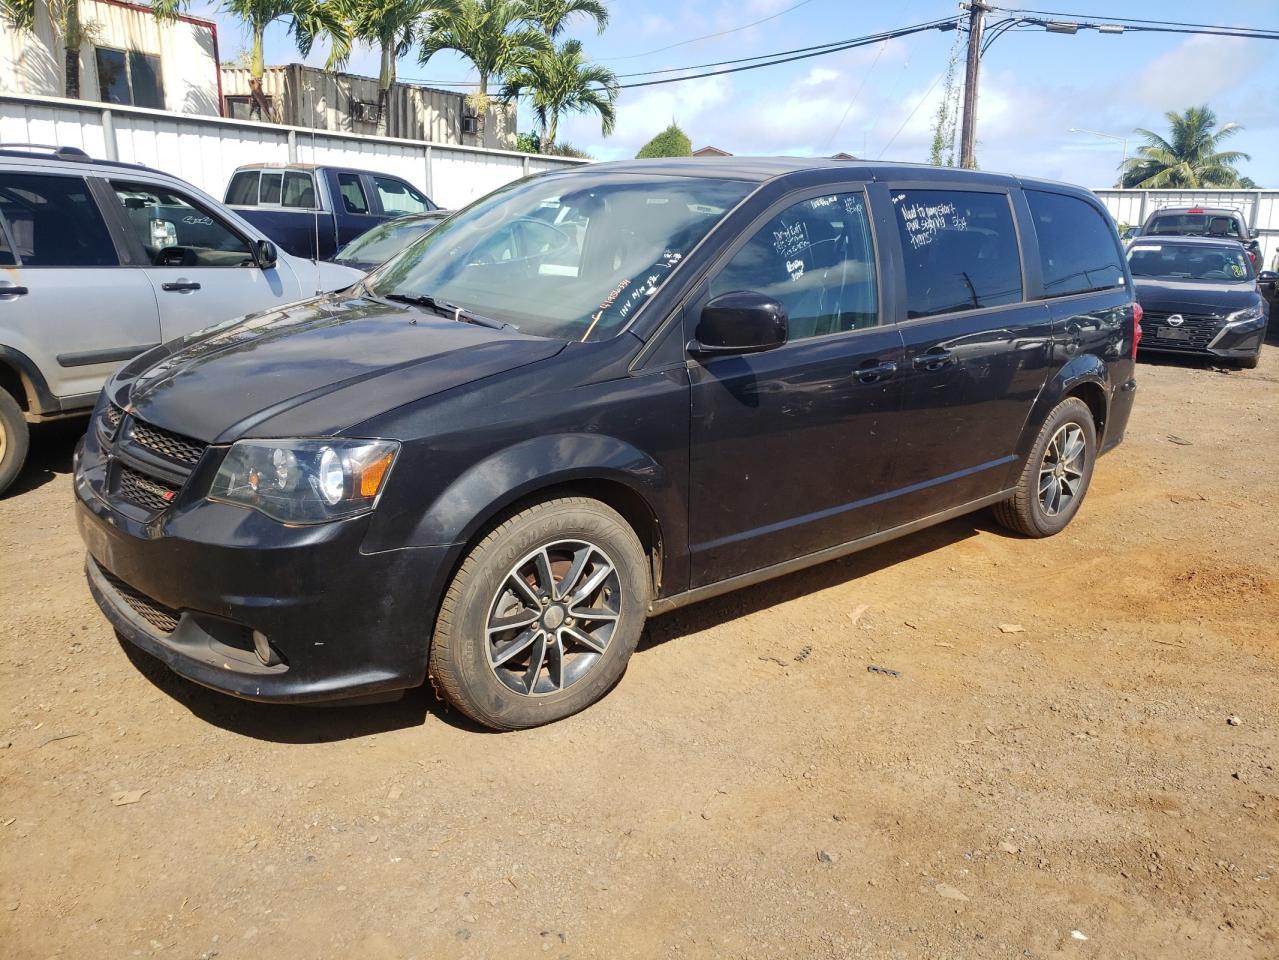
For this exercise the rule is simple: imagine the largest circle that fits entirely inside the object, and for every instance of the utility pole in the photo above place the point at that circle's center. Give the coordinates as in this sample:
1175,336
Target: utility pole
968,130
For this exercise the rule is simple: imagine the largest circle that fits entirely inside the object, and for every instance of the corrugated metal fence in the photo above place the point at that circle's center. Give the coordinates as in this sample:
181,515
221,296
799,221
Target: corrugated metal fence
206,150
1260,209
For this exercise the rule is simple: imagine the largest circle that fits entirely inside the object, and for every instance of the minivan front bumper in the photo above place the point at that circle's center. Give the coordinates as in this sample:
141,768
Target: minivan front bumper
340,623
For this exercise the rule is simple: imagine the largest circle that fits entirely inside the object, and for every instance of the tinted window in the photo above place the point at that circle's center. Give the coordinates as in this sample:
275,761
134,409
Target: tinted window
175,232
960,250
1077,247
398,197
816,259
1193,225
7,256
53,222
352,193
1181,261
144,79
385,240
299,190
113,76
243,190
269,192
129,78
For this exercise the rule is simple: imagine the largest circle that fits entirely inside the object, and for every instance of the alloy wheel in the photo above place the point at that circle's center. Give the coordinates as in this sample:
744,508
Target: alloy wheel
553,617
1061,473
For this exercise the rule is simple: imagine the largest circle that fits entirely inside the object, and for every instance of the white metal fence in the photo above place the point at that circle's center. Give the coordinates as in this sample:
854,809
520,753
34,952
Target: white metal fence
206,150
1260,209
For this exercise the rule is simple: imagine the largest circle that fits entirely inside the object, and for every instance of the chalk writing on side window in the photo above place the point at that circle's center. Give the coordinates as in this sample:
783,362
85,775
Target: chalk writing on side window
923,221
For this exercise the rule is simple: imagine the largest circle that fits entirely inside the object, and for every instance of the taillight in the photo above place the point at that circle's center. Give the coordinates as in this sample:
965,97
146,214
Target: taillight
1137,314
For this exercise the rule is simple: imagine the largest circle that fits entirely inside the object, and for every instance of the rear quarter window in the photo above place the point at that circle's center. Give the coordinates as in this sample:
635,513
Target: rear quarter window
1078,248
243,189
959,250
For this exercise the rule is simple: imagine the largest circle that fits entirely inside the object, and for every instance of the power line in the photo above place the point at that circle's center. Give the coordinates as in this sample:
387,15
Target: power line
1107,18
861,86
948,24
710,36
910,116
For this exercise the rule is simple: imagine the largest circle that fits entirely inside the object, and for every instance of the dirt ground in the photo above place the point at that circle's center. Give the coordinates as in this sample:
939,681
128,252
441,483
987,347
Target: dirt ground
1068,784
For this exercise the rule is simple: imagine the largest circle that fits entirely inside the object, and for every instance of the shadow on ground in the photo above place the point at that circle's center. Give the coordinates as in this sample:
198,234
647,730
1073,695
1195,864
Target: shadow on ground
280,723
52,445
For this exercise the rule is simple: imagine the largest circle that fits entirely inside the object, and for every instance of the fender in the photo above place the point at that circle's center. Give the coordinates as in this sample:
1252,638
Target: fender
472,499
40,400
1084,368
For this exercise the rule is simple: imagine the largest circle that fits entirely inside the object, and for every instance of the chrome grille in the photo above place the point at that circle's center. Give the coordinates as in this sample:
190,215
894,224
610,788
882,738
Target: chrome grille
166,443
145,491
164,619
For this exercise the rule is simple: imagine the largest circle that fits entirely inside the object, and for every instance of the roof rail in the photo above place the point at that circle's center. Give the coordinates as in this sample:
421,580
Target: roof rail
63,153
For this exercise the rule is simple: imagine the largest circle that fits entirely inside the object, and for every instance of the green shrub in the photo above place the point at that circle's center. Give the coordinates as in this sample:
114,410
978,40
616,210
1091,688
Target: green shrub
671,142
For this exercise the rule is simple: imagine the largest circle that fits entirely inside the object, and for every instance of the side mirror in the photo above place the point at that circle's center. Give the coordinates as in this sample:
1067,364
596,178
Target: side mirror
265,254
740,322
1267,276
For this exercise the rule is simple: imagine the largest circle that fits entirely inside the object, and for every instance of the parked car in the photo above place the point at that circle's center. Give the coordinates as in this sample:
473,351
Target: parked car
491,460
376,246
101,261
1199,295
311,211
1220,222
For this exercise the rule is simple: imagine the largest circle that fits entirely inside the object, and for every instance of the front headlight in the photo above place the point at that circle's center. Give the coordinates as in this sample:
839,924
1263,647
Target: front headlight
1247,313
305,481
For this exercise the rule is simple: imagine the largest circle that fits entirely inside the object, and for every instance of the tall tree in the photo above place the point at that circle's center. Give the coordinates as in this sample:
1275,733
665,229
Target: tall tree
64,15
553,15
671,142
561,81
307,21
493,34
1189,157
392,25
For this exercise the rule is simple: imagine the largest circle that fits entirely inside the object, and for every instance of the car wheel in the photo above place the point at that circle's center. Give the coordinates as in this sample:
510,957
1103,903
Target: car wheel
13,440
542,616
1057,472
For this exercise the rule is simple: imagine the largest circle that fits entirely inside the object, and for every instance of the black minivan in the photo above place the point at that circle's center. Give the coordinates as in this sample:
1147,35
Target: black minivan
593,396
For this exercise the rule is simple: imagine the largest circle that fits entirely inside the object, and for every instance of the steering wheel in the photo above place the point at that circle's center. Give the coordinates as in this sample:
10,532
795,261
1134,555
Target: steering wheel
175,257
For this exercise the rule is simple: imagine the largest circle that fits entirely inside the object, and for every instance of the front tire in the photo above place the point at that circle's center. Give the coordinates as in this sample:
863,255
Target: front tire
542,616
1056,475
14,440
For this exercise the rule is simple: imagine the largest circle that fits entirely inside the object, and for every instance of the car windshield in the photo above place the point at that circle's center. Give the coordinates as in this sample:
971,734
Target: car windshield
1181,261
387,239
573,255
1194,225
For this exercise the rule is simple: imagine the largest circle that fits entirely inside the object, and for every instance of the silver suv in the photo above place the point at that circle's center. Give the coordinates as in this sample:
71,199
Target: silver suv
100,261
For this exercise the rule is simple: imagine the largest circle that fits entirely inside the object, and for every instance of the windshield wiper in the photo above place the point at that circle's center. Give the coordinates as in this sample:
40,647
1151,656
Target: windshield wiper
446,309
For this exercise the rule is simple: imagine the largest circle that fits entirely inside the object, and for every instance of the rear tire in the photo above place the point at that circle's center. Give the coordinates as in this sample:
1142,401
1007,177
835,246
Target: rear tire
542,616
1056,475
14,440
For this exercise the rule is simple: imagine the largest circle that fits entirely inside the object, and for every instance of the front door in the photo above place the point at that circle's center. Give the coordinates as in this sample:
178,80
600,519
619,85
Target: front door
65,300
791,447
202,270
977,353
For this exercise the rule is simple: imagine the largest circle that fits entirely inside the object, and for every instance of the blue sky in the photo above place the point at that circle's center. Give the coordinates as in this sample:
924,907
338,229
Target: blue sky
1035,86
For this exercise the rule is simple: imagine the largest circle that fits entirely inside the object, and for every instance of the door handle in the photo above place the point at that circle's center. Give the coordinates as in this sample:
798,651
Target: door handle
8,292
875,372
180,286
933,360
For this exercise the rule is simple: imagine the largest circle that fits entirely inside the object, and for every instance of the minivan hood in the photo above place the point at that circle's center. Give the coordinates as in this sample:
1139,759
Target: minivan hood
1188,296
313,368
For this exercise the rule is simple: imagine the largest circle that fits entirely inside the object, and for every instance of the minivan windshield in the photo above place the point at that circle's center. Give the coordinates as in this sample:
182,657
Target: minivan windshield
1184,261
570,256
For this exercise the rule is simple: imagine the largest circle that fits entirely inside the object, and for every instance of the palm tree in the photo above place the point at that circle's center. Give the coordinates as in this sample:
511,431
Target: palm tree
64,15
492,34
1190,159
393,25
307,20
561,81
552,15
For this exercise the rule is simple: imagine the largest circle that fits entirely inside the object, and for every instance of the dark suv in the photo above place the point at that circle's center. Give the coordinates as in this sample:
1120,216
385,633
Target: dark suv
597,395
1218,222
